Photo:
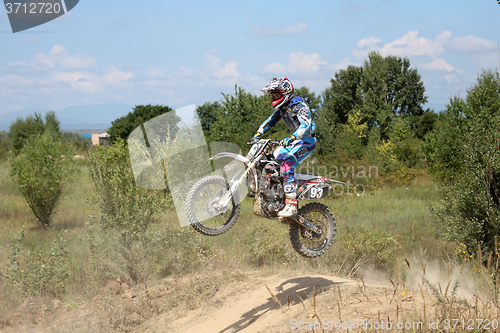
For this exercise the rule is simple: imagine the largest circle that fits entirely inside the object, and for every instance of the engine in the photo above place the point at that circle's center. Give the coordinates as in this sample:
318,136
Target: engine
271,189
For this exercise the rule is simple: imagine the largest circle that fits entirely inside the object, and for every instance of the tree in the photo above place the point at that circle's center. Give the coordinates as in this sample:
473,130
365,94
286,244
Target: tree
343,95
123,126
376,94
443,146
471,207
390,89
239,117
310,98
22,129
207,113
41,170
4,144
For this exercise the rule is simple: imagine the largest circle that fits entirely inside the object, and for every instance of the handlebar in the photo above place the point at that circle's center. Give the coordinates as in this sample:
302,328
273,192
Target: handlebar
271,141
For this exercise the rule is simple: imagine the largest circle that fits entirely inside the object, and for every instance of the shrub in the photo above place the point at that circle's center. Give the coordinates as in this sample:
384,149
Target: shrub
36,272
122,204
41,170
363,245
470,209
125,212
21,130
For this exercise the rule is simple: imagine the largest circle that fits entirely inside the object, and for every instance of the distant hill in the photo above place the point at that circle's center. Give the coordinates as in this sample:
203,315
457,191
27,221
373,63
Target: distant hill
76,117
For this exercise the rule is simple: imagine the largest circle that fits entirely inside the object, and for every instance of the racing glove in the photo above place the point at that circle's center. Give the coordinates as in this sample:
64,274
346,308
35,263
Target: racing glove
287,141
256,137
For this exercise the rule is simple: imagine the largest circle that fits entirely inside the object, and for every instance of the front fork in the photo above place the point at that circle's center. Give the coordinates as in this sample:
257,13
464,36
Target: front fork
234,186
304,222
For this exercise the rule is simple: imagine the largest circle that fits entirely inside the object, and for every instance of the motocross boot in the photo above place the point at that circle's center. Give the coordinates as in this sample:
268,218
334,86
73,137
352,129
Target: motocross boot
290,208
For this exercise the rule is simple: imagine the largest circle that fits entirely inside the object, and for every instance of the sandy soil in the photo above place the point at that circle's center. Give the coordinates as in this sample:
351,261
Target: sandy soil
244,302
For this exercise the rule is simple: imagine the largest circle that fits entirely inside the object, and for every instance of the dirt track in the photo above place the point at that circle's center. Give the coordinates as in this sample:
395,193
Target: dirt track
279,303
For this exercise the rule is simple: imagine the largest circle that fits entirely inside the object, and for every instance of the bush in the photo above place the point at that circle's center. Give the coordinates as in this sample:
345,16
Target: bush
41,170
122,204
21,130
362,245
35,272
125,212
470,209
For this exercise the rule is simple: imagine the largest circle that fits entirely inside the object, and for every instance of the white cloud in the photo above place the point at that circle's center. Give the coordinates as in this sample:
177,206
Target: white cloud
91,82
342,64
16,80
408,45
438,64
296,29
230,69
154,72
471,43
17,63
32,40
369,42
59,58
303,62
275,68
452,78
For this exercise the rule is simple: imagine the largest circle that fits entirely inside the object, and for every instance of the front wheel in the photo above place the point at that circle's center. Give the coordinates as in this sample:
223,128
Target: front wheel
307,243
202,209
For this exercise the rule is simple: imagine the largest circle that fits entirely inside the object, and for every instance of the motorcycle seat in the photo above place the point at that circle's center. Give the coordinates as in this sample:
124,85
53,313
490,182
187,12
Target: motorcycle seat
303,176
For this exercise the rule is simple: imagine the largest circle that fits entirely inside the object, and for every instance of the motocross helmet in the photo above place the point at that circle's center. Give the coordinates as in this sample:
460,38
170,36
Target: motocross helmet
281,89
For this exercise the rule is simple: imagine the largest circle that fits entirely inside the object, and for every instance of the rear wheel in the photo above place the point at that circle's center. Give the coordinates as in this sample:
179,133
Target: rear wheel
306,242
202,209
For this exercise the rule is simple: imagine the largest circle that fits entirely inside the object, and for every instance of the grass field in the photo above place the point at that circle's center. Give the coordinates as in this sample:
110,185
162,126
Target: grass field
379,235
394,220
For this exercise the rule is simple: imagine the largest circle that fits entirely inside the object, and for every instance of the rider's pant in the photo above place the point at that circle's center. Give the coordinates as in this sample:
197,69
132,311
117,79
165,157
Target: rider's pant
292,156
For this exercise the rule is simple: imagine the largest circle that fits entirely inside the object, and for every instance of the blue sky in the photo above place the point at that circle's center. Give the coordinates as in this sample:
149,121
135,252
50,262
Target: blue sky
178,53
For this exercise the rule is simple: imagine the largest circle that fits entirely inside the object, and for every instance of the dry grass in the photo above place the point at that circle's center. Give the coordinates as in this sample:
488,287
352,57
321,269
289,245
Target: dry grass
429,285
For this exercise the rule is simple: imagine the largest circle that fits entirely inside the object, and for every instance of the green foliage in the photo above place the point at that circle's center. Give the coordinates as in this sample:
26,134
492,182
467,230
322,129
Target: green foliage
126,212
123,126
4,144
362,245
41,170
123,205
471,207
22,129
79,142
36,272
443,146
207,114
484,97
161,251
376,94
310,98
239,117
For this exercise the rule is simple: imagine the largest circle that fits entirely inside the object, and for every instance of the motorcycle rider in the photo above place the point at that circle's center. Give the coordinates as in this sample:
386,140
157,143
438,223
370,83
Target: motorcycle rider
298,118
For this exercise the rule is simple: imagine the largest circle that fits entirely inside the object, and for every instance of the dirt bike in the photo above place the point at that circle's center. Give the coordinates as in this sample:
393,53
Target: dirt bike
213,203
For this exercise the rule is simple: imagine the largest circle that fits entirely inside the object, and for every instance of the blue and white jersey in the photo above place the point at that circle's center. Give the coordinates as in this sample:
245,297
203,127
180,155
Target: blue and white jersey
297,116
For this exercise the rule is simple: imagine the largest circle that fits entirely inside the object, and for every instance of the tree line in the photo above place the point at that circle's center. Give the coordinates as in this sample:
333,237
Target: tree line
372,114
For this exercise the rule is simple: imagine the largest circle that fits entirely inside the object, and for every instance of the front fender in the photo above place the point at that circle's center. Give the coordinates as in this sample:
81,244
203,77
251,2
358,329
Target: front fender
231,155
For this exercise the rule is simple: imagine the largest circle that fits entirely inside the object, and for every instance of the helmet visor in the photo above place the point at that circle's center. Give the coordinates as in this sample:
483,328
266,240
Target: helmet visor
276,95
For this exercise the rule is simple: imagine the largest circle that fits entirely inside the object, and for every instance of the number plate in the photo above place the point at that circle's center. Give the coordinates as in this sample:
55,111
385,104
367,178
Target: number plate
314,191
